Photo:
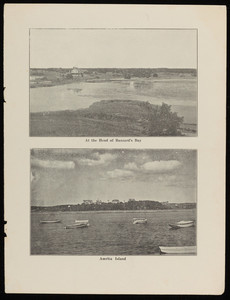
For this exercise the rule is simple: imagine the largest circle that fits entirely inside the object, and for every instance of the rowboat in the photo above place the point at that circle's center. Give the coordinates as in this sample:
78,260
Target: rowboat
139,220
185,222
81,221
182,224
178,250
74,226
50,221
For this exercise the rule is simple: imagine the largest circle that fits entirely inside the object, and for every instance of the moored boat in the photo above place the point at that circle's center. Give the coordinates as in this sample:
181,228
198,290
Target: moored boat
178,250
185,222
139,220
50,221
182,224
77,225
81,221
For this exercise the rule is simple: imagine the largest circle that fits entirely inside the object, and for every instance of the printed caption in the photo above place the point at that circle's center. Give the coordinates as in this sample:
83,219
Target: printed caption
112,140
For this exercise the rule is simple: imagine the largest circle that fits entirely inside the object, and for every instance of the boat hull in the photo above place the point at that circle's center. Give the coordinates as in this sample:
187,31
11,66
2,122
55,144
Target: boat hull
81,221
176,226
178,250
50,222
75,226
182,224
185,222
139,221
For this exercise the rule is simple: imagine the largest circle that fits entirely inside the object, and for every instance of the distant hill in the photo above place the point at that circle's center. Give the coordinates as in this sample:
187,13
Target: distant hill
134,205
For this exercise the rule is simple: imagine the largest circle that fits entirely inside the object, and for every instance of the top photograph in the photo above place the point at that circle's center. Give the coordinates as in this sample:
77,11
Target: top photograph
113,82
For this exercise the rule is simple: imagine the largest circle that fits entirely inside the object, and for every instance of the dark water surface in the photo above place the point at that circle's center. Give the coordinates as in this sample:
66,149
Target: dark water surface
110,233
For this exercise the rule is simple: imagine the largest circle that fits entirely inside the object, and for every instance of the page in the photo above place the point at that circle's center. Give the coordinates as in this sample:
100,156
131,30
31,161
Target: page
115,149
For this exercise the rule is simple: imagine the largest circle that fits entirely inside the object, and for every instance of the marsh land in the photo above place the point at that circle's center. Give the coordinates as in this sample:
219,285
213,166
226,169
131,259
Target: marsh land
113,102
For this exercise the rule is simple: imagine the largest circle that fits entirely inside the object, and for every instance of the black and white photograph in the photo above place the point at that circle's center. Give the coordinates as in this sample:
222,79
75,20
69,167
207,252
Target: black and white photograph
115,149
113,82
113,202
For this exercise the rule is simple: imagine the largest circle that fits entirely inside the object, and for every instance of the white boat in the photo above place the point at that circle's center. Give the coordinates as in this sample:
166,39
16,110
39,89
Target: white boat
77,225
182,224
139,220
178,250
81,221
50,221
185,222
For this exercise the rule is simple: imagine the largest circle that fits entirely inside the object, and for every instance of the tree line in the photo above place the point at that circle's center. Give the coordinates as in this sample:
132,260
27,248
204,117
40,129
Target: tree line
133,205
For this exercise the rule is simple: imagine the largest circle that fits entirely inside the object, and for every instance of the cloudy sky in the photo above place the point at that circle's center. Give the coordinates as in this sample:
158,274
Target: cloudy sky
108,48
69,176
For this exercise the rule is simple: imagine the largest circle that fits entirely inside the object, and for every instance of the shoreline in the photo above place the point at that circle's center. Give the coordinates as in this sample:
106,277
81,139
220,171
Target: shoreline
113,211
104,118
137,79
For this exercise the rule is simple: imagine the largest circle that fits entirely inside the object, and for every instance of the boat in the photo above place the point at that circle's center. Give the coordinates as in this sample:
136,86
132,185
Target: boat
77,225
182,224
139,220
50,221
75,90
178,250
81,221
185,222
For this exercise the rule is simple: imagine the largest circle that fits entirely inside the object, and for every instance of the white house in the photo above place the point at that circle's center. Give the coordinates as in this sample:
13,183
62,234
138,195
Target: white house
87,201
115,201
75,72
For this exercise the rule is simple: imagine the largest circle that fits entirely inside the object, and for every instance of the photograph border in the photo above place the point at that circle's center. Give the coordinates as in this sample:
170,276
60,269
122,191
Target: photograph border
108,255
122,28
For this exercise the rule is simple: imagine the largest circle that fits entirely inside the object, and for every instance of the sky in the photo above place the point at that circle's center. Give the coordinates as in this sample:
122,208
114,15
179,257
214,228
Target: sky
113,48
69,176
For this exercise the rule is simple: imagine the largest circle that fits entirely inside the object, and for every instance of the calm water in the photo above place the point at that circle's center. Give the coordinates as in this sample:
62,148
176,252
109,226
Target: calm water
180,93
110,233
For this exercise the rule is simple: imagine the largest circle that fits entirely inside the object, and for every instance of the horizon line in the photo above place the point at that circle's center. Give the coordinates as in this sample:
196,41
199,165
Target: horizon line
178,68
111,202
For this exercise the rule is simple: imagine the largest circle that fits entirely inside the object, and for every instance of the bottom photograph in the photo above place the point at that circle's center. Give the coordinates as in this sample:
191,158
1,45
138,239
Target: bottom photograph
116,202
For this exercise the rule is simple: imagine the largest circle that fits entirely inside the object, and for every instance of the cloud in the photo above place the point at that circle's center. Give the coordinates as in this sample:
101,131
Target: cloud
161,166
118,173
55,164
99,159
131,166
166,178
131,170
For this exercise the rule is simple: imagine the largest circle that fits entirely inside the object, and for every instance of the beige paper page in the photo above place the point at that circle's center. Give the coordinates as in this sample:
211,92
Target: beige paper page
29,266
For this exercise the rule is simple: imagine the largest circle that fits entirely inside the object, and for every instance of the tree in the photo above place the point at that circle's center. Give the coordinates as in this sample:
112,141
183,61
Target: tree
127,76
69,76
164,122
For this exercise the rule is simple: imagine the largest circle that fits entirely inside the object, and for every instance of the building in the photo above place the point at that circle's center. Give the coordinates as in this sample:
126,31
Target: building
131,200
75,72
115,201
87,201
